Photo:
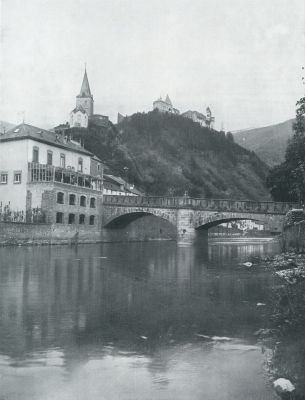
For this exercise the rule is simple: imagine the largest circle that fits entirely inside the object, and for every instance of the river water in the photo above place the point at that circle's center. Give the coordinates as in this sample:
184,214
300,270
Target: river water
133,321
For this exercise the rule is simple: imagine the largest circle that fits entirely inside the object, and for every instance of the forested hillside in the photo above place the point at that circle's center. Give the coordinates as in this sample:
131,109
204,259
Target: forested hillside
269,142
168,155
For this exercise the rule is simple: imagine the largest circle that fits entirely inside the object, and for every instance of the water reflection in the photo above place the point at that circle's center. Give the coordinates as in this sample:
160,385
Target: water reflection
125,320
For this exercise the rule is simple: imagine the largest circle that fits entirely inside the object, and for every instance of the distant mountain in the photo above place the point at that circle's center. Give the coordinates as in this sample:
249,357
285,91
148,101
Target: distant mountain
5,126
269,143
165,154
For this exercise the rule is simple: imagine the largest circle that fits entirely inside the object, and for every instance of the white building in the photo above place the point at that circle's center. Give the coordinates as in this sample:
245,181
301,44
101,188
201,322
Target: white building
165,106
47,173
201,119
36,164
79,118
195,116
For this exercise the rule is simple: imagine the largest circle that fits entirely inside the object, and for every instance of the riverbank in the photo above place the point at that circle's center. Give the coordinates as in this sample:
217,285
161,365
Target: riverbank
285,332
241,239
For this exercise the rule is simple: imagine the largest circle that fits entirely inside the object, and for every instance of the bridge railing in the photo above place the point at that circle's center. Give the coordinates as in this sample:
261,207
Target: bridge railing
220,205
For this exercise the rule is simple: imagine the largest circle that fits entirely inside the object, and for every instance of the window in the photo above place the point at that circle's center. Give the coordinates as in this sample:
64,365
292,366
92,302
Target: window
91,220
99,167
17,177
80,165
35,154
50,157
3,178
59,218
81,219
92,202
71,219
72,199
82,201
63,161
60,198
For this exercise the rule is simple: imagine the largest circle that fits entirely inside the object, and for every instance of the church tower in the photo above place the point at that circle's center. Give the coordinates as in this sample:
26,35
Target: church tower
85,99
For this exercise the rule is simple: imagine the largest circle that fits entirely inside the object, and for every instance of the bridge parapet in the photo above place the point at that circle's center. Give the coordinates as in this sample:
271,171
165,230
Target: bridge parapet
265,207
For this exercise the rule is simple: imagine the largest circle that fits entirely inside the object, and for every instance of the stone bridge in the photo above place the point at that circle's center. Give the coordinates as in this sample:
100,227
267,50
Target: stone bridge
192,217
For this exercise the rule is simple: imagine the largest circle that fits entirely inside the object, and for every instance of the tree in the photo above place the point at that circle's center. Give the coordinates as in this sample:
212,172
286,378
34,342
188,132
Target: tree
287,181
230,137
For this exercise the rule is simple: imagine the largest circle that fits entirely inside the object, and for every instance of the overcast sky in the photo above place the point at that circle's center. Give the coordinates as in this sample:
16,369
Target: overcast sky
243,58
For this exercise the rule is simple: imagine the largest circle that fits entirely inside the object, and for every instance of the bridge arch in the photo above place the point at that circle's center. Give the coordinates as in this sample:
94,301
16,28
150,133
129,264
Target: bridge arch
220,218
124,219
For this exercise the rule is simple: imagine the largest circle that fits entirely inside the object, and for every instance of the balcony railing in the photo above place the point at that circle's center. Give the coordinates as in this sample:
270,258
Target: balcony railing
49,173
33,215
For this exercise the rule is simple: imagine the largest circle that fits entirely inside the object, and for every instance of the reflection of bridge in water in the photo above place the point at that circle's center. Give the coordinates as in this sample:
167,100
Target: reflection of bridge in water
192,217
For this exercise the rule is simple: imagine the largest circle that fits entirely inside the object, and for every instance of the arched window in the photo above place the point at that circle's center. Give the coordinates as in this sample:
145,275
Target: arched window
81,219
91,220
92,202
71,219
82,201
80,165
60,198
72,199
35,154
59,218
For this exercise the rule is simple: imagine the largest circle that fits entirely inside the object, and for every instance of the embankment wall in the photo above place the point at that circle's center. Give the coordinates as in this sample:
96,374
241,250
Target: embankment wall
293,237
142,229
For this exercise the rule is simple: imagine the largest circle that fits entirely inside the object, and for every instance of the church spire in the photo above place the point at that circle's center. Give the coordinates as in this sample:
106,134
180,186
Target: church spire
85,89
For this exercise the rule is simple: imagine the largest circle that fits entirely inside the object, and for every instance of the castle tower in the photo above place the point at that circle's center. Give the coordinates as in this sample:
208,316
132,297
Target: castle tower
85,99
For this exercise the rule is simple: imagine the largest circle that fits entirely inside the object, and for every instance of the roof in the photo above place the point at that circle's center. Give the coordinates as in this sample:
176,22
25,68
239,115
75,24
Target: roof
25,131
197,113
94,157
116,179
79,108
168,100
99,116
85,89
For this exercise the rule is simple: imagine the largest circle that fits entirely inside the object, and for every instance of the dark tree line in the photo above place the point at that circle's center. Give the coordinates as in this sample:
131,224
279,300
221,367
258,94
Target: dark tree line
287,180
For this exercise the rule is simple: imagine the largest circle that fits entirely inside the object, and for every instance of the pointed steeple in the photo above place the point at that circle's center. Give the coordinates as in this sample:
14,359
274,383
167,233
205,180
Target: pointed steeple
85,89
84,100
168,100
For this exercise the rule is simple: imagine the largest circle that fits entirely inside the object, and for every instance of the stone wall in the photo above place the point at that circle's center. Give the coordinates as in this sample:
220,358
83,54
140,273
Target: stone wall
293,237
142,229
23,233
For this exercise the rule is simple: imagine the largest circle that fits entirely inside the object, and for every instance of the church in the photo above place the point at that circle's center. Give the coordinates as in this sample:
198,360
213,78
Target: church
84,110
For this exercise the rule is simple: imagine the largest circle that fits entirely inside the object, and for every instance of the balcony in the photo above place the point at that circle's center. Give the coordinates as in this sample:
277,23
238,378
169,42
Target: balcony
43,173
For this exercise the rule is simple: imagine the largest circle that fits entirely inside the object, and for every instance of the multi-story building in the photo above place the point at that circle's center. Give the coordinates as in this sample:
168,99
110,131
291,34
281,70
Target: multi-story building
165,106
204,120
45,175
195,116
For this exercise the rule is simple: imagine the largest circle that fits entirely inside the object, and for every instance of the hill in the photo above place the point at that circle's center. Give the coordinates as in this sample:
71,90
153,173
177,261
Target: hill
269,142
168,155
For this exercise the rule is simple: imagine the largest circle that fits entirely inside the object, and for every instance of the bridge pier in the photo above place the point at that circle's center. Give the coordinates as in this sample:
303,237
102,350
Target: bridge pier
185,231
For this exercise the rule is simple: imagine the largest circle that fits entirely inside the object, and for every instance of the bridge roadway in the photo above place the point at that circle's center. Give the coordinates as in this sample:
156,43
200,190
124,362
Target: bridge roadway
192,217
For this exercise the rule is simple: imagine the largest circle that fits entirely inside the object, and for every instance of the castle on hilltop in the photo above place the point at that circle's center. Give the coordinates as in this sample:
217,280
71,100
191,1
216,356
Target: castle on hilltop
206,120
166,106
84,110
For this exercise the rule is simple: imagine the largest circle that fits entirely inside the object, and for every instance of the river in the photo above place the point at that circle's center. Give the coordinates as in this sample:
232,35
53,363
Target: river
133,321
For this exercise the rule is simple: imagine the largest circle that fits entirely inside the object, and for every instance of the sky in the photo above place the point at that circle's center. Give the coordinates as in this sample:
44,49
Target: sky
243,58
